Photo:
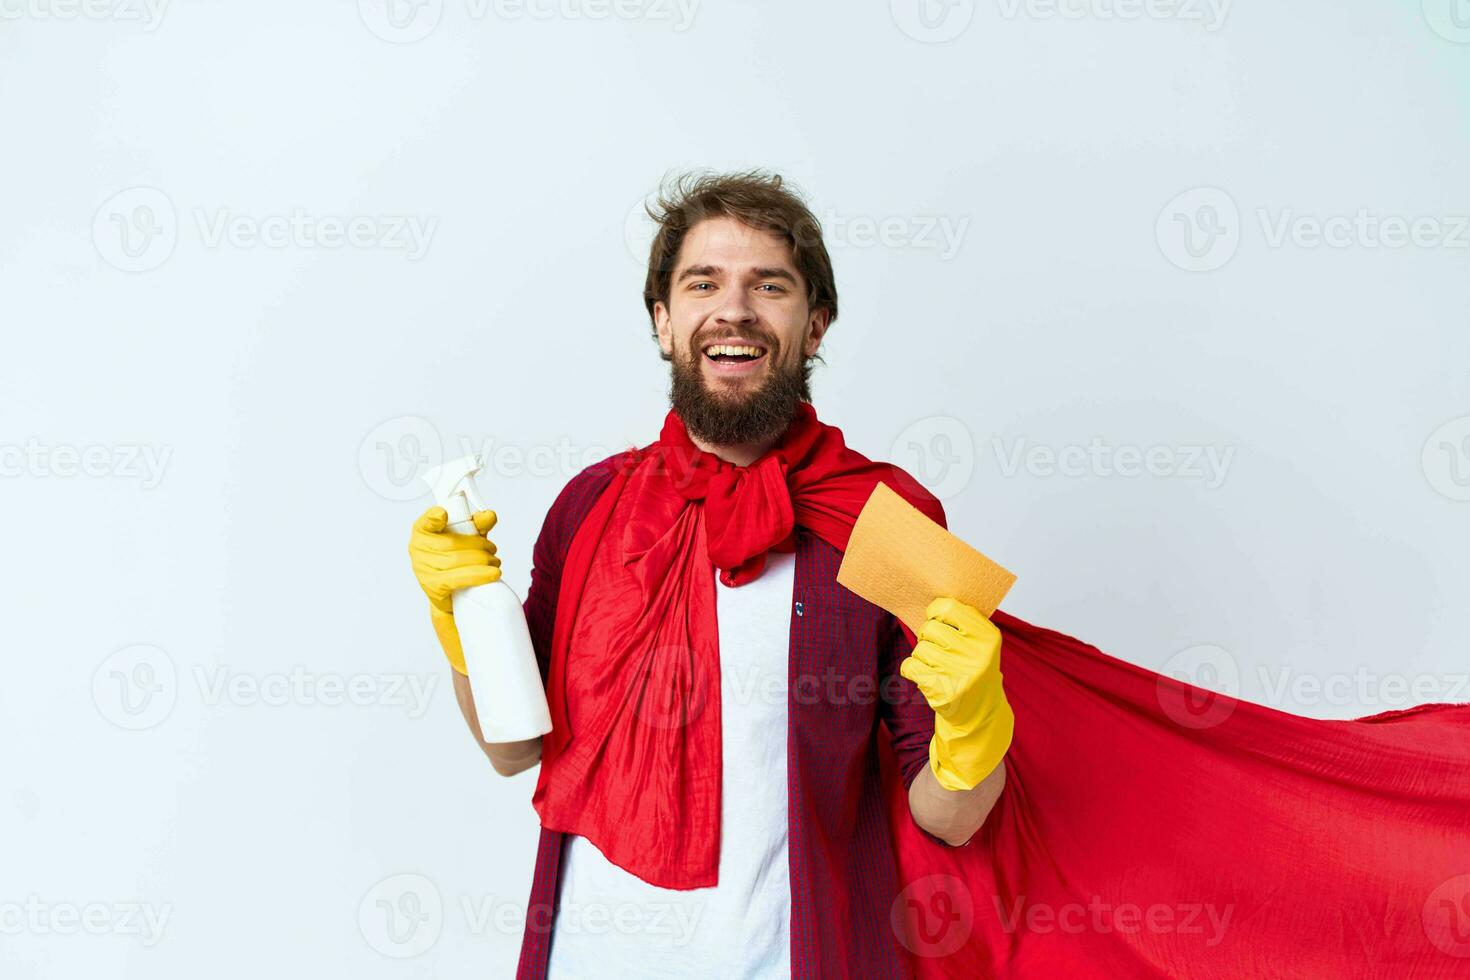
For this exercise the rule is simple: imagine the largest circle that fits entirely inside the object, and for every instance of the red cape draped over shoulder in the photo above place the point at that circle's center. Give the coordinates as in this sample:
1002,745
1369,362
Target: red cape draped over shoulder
1148,828
1153,829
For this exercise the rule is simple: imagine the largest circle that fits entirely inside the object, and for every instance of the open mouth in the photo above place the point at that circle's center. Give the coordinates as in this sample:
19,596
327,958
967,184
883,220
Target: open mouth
734,353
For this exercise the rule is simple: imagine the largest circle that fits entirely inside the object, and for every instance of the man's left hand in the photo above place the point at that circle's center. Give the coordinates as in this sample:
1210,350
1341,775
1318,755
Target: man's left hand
956,665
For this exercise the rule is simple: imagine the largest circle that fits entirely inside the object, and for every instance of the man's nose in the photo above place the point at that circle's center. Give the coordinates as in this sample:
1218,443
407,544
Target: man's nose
736,310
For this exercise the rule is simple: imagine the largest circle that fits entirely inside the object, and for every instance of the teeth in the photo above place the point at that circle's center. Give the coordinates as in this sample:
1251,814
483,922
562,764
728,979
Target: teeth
733,349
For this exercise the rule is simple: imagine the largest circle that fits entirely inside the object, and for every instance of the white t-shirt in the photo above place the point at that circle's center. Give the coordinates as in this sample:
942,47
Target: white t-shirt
612,924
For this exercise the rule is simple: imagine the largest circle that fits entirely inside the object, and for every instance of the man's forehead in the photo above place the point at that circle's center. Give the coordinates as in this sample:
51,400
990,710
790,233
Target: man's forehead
728,245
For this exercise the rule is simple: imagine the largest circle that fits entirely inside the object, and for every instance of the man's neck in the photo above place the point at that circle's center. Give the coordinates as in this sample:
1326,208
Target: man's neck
741,454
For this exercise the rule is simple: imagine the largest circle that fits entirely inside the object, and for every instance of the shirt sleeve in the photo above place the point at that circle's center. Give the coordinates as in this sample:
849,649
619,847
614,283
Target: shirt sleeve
550,552
905,711
540,604
903,708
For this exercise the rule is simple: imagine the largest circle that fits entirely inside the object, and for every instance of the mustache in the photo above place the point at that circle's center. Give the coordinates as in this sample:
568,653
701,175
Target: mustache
702,338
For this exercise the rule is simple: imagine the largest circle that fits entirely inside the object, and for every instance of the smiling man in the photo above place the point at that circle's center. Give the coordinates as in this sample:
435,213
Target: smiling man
710,794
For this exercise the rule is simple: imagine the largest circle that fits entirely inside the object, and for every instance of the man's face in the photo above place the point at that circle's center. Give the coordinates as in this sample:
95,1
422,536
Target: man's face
739,330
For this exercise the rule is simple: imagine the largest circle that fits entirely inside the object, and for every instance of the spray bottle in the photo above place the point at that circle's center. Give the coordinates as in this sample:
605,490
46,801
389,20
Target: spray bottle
504,676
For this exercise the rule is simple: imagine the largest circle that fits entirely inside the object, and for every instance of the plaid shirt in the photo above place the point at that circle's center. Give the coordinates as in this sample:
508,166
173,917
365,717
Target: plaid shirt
843,679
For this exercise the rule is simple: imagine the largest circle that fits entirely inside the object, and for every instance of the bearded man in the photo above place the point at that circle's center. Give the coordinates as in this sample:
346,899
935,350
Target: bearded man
713,769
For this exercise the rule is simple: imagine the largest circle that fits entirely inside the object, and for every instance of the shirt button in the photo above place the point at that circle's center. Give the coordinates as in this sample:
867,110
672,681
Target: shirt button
798,609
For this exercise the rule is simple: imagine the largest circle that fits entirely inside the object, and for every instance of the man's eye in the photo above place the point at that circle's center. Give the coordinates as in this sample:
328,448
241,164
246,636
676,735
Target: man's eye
701,284
772,285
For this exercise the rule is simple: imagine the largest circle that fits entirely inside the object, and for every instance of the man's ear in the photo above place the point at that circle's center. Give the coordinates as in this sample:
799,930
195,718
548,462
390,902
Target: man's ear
664,327
816,329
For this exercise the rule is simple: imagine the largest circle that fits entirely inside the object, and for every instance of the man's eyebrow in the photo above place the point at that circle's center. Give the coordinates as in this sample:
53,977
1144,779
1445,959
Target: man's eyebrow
765,272
698,271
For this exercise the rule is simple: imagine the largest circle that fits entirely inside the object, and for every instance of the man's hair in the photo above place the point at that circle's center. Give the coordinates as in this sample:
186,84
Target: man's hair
754,197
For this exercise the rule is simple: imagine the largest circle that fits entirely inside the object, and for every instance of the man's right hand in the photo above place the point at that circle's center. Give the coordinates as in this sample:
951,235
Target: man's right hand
444,562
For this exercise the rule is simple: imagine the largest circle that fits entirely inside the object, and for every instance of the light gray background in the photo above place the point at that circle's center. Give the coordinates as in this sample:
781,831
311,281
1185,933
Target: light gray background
1007,191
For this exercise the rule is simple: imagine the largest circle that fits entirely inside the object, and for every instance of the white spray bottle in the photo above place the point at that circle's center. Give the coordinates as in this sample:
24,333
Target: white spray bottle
504,676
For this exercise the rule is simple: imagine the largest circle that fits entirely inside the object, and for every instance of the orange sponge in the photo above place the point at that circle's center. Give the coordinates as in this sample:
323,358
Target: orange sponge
900,560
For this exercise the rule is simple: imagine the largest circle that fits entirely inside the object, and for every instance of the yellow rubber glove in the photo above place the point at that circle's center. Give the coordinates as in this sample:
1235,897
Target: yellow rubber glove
956,664
444,562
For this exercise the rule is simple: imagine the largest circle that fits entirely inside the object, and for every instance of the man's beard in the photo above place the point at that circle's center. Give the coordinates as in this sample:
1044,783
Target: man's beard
727,418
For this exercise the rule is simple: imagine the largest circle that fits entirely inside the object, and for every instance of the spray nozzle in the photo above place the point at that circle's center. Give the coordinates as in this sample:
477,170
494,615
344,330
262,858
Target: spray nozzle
453,486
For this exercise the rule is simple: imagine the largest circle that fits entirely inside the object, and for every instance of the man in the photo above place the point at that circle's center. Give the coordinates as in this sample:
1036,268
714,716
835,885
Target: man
711,787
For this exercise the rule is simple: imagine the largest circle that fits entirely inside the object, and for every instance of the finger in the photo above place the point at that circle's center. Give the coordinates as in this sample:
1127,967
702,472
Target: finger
432,521
931,683
440,561
484,520
917,671
449,541
959,615
929,655
465,578
942,635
